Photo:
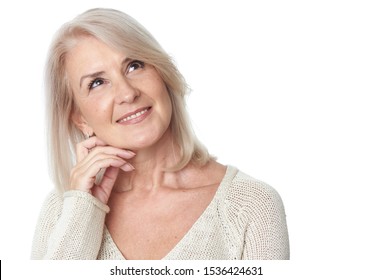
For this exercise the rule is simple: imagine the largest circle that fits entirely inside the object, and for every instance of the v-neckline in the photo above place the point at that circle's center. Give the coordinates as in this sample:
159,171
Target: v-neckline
220,190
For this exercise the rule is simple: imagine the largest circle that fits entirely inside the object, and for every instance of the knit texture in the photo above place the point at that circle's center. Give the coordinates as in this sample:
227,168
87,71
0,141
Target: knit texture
244,220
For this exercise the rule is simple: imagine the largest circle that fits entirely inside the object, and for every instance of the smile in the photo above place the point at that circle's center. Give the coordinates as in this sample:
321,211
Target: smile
135,117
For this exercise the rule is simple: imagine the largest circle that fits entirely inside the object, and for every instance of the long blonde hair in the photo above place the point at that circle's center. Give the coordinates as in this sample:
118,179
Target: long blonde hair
122,32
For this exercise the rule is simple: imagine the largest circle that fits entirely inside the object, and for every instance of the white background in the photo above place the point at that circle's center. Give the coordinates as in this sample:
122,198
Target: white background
281,89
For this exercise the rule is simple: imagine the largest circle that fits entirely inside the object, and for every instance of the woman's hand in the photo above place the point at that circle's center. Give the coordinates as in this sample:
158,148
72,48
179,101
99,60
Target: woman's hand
92,156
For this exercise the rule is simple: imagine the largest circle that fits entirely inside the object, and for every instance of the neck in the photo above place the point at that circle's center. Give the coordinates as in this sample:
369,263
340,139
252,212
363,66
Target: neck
149,165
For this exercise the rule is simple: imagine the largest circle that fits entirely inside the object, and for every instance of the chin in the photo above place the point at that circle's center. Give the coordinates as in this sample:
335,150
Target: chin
135,144
146,141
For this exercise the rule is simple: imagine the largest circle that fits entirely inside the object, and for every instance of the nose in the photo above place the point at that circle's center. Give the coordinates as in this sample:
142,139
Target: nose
125,91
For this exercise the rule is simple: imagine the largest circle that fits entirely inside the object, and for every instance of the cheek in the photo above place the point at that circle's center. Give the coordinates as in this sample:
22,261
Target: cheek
169,108
165,99
95,112
166,107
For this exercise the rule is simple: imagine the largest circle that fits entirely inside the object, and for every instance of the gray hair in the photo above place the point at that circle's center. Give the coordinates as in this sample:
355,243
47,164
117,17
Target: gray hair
122,32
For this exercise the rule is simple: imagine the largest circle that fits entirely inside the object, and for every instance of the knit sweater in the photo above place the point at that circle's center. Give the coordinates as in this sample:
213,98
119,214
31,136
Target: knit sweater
244,220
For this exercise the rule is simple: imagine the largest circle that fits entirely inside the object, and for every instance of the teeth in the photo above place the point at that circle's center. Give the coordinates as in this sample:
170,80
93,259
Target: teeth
133,116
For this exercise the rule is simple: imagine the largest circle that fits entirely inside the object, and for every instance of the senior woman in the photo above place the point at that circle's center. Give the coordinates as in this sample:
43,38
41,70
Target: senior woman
132,180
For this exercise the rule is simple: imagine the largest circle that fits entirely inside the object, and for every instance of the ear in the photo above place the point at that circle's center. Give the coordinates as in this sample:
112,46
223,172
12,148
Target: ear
81,123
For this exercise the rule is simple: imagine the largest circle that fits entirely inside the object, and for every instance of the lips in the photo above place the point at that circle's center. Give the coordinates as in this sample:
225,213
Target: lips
138,114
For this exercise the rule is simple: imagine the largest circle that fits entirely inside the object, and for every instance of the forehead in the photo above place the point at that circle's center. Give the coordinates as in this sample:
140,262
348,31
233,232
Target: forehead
90,54
90,48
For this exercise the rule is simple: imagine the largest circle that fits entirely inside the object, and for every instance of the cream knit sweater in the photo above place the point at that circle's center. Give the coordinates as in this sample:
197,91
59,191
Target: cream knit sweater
244,220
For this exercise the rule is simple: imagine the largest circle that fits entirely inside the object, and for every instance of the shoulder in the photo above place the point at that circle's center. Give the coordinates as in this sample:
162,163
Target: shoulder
242,188
53,199
250,197
254,214
52,205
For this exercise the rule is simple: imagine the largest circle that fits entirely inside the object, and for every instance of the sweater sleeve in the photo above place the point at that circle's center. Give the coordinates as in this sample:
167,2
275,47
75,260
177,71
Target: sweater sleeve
70,226
266,235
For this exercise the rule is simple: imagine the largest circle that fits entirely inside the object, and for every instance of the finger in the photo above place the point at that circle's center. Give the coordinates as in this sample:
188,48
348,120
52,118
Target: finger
103,191
95,156
83,177
93,162
94,146
83,148
125,154
94,168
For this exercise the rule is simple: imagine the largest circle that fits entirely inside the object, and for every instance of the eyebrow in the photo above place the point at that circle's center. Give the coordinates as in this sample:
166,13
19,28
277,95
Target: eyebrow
92,75
100,73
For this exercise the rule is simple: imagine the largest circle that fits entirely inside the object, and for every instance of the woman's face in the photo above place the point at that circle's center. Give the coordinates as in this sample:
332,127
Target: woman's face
123,101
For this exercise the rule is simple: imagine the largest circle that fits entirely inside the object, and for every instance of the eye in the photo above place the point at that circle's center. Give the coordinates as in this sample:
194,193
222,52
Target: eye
95,83
134,65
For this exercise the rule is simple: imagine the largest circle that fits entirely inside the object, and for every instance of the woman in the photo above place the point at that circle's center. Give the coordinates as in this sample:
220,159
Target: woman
141,185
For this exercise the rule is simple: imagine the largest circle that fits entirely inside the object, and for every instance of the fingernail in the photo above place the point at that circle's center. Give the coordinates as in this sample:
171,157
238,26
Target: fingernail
127,167
126,153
